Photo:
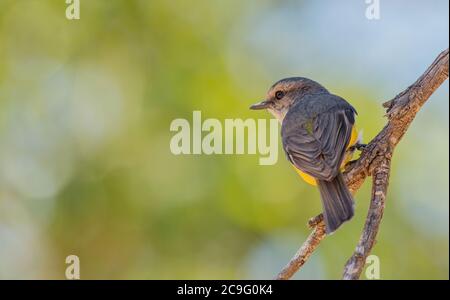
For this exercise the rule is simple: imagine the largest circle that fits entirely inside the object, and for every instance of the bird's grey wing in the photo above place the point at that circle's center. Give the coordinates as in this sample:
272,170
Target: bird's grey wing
317,145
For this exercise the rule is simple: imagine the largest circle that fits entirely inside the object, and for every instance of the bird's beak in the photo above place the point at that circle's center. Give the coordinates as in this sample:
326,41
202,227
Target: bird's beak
261,105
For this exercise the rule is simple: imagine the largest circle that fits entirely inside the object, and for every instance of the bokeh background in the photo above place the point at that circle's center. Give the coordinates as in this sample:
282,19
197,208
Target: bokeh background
85,109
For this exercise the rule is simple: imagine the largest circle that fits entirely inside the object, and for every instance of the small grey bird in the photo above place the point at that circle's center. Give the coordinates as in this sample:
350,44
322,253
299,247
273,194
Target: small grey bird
319,137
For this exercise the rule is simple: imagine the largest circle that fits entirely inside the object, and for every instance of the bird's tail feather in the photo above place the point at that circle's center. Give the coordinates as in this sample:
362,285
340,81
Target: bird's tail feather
337,202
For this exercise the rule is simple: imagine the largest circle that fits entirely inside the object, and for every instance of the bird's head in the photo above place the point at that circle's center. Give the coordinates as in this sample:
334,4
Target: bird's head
284,93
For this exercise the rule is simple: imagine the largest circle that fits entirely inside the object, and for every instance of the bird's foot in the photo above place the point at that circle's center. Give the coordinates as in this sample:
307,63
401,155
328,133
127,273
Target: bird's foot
360,147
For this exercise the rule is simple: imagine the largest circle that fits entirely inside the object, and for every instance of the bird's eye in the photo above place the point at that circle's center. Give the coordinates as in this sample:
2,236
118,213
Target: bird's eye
279,95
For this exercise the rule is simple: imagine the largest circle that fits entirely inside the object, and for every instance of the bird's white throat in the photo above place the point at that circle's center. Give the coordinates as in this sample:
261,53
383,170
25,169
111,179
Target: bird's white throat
278,114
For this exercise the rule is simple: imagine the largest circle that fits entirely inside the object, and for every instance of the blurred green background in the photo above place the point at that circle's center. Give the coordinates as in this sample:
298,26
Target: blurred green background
85,164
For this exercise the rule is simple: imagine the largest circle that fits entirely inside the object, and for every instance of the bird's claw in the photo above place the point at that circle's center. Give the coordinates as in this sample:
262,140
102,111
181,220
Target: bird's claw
360,147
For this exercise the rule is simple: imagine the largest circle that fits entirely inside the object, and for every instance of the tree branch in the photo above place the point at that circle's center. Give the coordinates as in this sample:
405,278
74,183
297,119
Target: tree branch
375,161
380,182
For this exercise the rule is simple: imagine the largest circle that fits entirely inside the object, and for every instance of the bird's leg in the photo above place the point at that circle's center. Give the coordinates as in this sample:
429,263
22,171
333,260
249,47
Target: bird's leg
359,146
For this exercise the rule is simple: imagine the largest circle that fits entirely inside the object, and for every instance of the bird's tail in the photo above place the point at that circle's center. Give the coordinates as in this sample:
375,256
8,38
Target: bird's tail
337,202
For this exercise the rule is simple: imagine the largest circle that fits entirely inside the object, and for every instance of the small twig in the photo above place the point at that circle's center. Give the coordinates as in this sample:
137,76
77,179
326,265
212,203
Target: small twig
375,160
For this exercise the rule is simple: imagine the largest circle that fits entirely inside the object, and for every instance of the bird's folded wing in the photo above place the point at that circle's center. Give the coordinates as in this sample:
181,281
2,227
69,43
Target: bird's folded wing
317,146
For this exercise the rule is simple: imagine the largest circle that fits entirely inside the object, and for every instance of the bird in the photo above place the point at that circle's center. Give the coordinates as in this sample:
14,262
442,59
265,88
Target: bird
319,137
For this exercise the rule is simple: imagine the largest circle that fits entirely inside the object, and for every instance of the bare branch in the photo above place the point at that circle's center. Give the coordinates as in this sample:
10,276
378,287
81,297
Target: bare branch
375,160
380,182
